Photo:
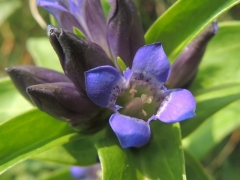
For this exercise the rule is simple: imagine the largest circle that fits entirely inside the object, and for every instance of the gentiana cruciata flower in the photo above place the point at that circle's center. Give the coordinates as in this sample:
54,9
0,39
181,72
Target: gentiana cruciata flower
93,88
139,96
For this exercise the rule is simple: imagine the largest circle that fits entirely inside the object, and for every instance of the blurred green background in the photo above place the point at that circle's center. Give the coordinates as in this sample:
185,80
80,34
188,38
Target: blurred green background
17,25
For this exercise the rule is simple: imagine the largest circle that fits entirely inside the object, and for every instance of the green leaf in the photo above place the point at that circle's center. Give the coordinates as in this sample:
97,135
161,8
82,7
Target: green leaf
217,83
11,101
62,174
29,134
121,64
194,168
213,131
7,7
78,32
43,53
80,152
181,23
53,20
161,159
210,102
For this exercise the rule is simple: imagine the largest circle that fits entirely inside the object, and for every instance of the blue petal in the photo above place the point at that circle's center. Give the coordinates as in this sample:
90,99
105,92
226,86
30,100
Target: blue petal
178,105
131,132
90,16
151,61
103,85
59,9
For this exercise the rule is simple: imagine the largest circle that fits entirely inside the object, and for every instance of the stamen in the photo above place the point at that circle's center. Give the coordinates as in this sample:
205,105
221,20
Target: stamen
146,99
132,92
144,112
143,97
149,99
129,105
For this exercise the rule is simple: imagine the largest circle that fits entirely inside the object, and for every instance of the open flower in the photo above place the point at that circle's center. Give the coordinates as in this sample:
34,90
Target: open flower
138,97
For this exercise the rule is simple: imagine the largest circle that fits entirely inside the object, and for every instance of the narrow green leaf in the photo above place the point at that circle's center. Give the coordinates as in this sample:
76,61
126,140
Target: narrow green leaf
43,53
209,103
62,174
121,64
194,168
53,20
181,23
161,159
29,134
78,32
80,152
213,131
7,8
11,101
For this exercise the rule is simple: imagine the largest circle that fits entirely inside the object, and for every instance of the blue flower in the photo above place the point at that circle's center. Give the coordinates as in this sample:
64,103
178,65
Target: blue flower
139,96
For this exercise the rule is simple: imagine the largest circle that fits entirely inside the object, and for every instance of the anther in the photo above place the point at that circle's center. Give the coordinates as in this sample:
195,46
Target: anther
129,105
144,112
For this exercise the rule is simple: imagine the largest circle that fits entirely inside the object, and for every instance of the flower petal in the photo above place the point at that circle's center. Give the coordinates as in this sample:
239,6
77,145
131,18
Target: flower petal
151,61
178,105
131,132
103,84
76,55
185,67
124,31
90,16
27,75
59,9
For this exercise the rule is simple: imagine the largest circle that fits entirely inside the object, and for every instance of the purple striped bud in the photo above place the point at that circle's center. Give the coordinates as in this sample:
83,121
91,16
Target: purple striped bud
76,55
64,102
185,67
26,75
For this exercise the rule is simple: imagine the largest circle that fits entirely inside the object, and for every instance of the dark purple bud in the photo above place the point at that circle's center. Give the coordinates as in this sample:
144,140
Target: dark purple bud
185,67
64,102
27,75
76,55
124,31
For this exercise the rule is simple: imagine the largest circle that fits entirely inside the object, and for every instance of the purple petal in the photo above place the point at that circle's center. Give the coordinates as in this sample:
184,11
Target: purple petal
125,32
103,85
59,9
90,15
178,105
151,61
131,132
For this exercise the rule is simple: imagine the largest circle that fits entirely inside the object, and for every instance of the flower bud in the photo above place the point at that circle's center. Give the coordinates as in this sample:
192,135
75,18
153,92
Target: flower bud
26,75
124,32
185,67
76,55
64,102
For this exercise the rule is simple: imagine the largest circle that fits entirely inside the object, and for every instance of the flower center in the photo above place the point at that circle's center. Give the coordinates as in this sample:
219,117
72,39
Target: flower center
141,101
